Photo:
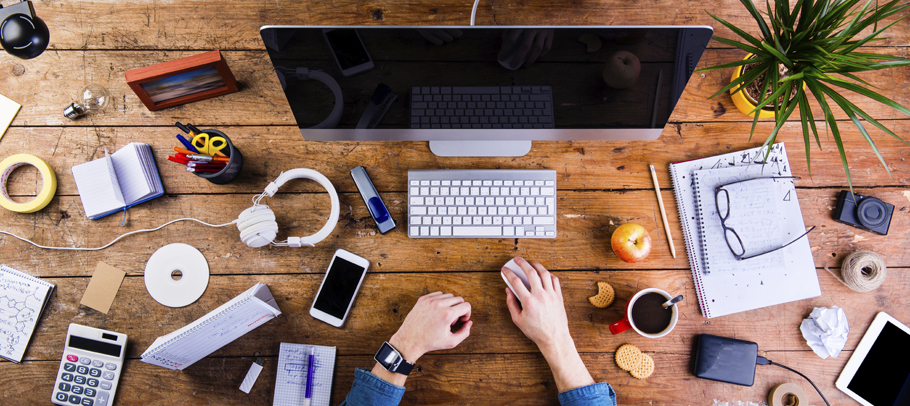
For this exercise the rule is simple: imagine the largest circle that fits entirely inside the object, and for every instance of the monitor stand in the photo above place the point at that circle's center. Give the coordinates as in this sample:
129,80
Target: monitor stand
480,148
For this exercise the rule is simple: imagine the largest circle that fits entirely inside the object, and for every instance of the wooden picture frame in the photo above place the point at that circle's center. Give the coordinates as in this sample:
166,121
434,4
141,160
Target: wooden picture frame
181,81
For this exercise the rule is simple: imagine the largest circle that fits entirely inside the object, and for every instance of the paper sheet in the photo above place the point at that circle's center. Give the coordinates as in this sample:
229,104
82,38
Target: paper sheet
8,111
103,287
826,331
293,364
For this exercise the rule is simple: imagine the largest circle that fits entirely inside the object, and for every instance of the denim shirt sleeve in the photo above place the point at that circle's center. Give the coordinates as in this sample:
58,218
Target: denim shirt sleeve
371,390
598,394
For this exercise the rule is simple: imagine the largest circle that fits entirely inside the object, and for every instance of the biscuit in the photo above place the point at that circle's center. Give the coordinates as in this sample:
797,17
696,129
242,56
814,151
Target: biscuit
645,367
628,357
604,297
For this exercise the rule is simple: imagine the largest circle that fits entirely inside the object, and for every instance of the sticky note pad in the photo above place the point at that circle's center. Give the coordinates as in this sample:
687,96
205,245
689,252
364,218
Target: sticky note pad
8,111
103,287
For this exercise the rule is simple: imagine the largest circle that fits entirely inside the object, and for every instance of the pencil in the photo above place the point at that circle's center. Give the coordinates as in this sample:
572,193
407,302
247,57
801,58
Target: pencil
663,213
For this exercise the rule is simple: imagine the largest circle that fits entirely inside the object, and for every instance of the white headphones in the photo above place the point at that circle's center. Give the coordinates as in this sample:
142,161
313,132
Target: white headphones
257,224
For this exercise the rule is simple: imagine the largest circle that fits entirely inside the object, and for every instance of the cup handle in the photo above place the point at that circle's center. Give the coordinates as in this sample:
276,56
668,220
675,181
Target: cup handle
620,326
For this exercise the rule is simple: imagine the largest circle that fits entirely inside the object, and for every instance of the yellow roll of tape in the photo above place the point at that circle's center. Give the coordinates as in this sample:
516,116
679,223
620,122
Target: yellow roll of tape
788,394
48,183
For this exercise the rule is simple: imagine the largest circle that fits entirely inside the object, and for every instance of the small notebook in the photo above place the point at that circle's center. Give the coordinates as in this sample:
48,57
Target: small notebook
22,301
731,289
209,333
119,181
8,111
293,366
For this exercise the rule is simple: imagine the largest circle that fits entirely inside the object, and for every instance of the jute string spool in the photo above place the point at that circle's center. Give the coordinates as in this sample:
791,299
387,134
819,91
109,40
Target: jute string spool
863,271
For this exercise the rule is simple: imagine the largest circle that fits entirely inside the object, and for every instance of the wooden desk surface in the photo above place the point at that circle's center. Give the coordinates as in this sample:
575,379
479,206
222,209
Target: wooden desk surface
601,185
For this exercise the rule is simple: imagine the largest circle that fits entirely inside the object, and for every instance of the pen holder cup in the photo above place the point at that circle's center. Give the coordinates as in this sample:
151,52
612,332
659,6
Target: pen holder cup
233,167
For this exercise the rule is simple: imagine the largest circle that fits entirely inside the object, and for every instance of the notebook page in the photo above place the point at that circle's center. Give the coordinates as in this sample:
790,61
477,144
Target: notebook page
131,174
22,299
753,214
293,366
98,187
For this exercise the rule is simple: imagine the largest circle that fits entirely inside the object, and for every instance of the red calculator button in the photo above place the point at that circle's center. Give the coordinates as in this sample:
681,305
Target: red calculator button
72,358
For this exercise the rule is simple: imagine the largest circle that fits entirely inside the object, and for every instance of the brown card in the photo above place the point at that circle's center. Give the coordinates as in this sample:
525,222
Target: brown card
103,287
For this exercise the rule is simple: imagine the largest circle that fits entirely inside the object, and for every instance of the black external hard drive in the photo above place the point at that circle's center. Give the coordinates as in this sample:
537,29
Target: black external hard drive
725,359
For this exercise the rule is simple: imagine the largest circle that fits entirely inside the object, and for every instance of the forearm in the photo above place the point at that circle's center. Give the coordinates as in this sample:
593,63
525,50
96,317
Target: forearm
569,371
408,352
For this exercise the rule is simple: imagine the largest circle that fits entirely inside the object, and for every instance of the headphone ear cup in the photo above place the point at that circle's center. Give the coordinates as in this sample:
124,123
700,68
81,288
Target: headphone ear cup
259,234
248,219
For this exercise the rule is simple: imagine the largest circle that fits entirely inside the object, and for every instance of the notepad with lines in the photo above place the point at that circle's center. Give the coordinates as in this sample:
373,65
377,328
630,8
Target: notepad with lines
293,366
115,182
209,333
725,286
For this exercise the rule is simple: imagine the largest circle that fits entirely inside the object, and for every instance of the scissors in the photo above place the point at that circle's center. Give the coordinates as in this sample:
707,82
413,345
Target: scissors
209,145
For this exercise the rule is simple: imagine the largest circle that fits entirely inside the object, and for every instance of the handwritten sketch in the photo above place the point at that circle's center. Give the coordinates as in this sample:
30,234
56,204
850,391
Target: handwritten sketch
293,366
22,298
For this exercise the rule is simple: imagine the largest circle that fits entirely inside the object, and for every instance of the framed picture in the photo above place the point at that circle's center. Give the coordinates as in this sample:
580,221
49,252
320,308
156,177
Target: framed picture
182,81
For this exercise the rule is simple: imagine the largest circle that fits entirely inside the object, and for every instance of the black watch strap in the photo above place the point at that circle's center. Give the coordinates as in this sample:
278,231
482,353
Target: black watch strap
404,367
396,364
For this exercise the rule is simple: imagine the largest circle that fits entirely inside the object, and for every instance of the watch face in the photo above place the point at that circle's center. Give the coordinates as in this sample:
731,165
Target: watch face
387,356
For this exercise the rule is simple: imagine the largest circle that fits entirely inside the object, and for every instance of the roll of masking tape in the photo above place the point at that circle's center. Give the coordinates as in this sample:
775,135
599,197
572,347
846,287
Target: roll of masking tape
48,183
788,394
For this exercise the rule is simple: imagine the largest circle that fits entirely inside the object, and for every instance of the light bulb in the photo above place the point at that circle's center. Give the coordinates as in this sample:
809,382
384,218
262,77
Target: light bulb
93,99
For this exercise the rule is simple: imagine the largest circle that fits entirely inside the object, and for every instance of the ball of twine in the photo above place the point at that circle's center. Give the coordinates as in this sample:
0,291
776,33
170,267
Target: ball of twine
863,271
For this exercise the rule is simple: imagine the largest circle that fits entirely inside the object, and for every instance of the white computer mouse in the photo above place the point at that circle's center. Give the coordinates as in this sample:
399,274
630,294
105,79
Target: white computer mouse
518,272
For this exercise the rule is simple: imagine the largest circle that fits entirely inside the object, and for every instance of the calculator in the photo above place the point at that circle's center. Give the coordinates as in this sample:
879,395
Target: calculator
90,368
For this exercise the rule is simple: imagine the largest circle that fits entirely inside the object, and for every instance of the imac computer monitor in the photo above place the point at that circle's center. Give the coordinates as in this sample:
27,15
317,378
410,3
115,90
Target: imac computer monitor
483,91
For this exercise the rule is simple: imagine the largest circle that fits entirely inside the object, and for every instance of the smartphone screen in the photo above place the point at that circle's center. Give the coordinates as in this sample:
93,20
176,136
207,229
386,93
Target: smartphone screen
347,47
339,287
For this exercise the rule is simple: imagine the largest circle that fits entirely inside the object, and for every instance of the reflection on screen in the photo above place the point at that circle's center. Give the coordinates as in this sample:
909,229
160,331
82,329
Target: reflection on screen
885,369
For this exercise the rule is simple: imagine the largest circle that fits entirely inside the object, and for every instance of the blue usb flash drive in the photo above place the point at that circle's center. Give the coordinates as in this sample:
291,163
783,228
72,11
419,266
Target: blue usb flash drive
371,198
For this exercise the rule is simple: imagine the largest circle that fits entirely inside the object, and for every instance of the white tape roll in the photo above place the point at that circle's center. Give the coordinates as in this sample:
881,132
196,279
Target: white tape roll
162,268
48,183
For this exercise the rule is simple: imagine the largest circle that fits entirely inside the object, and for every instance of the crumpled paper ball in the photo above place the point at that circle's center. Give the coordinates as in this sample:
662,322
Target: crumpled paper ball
825,330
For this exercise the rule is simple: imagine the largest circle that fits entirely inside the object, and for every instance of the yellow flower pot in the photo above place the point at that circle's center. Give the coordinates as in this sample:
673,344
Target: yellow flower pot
743,101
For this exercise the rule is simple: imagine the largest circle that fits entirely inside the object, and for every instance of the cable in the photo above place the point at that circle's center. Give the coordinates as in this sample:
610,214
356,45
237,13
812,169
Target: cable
118,238
474,11
765,361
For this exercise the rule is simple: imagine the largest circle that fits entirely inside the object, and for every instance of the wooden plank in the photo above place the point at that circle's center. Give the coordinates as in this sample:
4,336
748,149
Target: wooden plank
386,298
235,25
582,165
586,221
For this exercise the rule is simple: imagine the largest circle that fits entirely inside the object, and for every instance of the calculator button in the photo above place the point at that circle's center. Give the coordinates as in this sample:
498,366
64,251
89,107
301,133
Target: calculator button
108,375
103,398
111,366
79,380
69,367
67,377
75,399
64,387
105,385
62,397
72,358
94,372
82,369
97,363
77,389
87,402
92,382
90,392
85,361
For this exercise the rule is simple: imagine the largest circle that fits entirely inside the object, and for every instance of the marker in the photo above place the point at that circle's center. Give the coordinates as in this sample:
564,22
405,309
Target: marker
309,378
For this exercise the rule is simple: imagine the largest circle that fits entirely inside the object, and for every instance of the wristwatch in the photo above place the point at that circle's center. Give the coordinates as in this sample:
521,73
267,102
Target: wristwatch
391,360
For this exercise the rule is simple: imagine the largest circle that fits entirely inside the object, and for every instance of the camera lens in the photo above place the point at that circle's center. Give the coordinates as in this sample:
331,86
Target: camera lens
871,212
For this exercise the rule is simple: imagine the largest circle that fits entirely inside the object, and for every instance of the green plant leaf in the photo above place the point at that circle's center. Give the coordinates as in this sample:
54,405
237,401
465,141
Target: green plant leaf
758,18
848,108
752,40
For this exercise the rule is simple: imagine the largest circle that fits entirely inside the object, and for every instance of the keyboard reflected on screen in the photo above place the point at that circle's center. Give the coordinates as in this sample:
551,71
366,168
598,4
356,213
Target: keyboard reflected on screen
486,203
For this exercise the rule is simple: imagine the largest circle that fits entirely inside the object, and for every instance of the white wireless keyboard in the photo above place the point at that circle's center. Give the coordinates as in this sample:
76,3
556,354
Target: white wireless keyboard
486,203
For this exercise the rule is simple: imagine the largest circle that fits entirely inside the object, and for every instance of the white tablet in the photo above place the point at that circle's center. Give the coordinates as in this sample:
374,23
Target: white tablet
878,372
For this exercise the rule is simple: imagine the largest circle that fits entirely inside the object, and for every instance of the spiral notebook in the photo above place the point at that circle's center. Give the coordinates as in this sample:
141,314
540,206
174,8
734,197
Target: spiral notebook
119,181
724,285
209,333
22,301
293,366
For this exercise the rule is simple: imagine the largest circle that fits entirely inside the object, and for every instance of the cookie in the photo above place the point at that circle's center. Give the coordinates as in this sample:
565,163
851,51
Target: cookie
604,297
628,357
645,367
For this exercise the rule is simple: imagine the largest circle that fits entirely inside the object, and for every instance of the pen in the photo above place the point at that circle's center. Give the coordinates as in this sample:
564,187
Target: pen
309,378
663,213
186,143
178,160
207,158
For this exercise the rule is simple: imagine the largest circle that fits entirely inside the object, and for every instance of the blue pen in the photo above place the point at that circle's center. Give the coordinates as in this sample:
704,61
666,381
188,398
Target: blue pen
186,143
309,378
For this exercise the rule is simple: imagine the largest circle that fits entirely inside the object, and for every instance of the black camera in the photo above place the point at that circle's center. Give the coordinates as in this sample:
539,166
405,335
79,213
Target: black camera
865,212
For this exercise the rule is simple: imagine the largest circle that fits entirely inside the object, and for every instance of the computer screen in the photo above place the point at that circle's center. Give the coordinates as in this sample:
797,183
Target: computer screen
469,86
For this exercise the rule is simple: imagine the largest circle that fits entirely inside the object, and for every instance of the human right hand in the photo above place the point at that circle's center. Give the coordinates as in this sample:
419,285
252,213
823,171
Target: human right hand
542,315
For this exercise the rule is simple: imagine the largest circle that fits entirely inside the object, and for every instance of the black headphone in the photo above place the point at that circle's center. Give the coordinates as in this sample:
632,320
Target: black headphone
22,33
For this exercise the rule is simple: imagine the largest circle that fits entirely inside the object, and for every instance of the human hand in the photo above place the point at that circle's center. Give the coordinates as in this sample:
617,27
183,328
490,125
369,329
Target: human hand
524,45
542,315
429,325
440,36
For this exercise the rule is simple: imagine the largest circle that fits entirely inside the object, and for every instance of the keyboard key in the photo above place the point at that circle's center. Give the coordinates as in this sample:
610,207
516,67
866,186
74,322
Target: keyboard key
477,231
544,220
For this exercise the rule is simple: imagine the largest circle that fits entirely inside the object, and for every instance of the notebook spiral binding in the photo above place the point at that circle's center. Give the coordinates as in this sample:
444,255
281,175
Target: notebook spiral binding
690,248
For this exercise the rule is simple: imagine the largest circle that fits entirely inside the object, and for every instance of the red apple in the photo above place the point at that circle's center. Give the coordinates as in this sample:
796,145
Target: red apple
622,70
631,243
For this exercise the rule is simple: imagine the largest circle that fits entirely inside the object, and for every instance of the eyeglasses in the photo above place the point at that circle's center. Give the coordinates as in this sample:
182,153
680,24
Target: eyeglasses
723,211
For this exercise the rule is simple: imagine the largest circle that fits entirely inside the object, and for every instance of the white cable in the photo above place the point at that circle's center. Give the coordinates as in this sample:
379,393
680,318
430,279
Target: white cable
474,11
118,238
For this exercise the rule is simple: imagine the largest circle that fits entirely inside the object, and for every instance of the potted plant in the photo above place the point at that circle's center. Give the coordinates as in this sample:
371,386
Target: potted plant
812,49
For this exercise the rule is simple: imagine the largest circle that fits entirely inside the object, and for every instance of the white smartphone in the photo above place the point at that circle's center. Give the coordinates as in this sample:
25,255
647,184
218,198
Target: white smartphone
347,48
339,287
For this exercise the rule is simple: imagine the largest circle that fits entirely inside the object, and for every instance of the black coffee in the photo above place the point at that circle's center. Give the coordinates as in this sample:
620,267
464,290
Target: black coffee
649,315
